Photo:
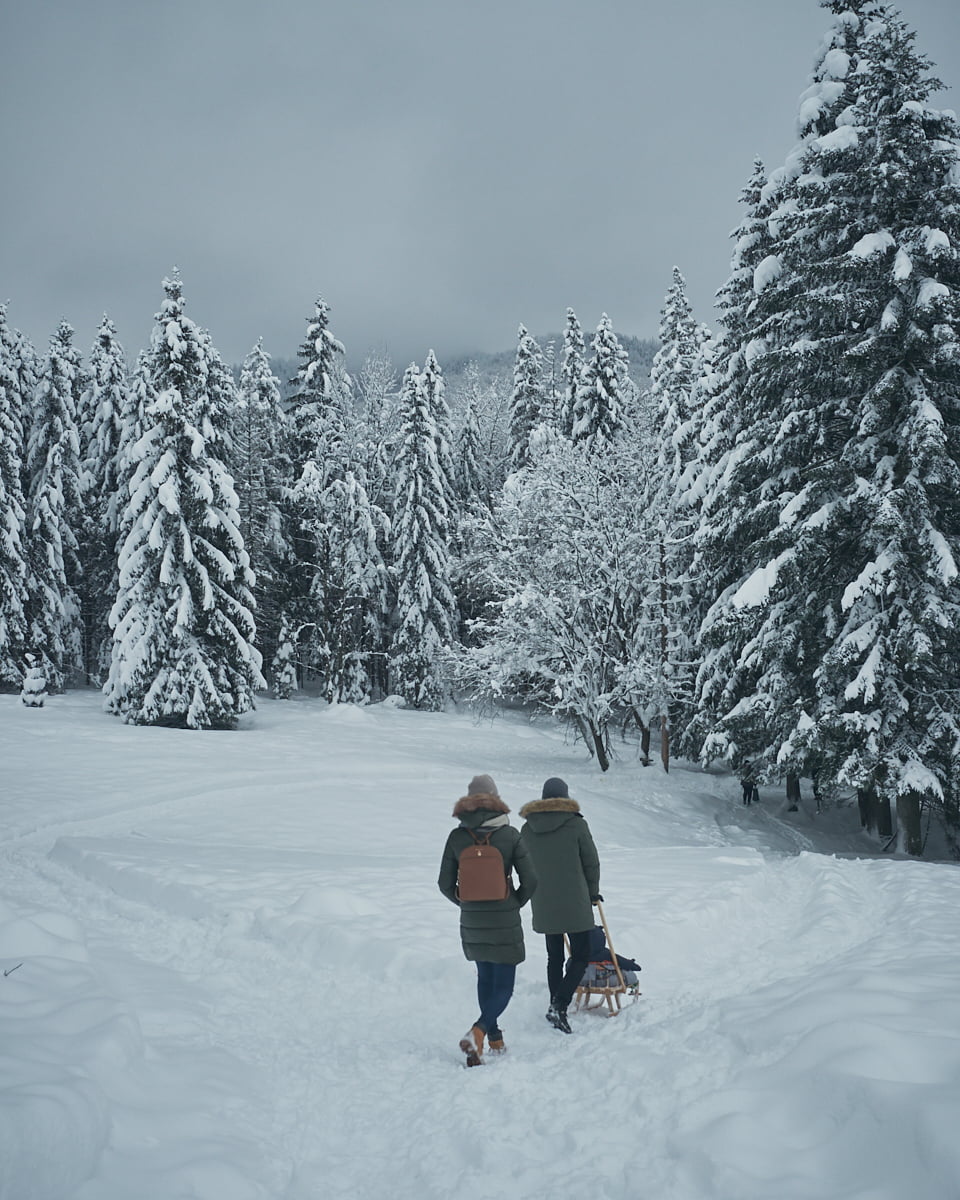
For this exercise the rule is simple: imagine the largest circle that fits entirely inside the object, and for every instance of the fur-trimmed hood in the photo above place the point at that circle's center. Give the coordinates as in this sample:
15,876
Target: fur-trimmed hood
559,804
477,802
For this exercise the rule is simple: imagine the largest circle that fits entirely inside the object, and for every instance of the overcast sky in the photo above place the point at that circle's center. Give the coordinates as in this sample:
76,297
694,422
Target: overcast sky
438,170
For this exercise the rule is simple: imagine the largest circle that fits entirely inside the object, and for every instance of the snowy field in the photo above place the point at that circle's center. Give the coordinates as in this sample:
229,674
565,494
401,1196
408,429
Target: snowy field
228,975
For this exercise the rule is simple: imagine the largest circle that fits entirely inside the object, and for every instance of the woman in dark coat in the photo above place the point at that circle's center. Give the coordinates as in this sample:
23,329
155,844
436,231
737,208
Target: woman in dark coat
568,868
490,930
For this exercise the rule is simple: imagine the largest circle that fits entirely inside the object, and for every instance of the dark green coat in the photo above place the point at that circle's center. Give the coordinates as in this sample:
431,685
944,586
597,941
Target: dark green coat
490,930
566,862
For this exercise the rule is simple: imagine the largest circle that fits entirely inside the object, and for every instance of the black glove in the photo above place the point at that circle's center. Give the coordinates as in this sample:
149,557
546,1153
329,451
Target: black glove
596,899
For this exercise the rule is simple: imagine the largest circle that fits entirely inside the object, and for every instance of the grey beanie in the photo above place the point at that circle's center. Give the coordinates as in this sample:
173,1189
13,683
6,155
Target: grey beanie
554,789
482,785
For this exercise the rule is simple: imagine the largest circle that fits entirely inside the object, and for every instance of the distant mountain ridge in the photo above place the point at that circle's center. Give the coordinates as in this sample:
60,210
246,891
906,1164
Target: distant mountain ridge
493,364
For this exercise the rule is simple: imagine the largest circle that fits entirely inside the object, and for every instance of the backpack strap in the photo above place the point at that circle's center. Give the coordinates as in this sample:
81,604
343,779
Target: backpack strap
481,841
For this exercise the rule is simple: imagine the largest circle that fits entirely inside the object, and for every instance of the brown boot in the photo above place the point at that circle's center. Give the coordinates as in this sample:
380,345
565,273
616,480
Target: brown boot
495,1044
472,1045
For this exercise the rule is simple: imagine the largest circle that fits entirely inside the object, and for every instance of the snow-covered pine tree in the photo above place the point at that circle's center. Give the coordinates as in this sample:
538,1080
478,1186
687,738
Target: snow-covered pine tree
357,635
888,692
574,359
724,534
119,517
316,407
490,398
473,509
434,394
33,691
15,391
183,650
316,451
552,385
848,551
603,391
526,405
215,405
259,439
424,618
765,633
673,397
376,443
283,666
673,379
105,404
53,513
470,466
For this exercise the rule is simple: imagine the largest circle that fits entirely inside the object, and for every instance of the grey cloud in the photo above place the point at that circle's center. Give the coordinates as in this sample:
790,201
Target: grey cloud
438,170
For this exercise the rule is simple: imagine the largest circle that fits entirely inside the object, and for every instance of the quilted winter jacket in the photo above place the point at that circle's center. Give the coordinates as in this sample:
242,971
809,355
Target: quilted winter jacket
490,930
567,865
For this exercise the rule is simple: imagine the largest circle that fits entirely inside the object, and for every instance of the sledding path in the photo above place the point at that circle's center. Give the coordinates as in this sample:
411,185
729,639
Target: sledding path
282,989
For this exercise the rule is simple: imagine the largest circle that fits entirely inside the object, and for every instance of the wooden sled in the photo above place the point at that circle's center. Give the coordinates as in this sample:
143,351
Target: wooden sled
592,997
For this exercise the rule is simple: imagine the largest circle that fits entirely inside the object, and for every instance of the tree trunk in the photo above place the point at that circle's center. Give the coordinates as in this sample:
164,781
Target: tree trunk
908,823
600,746
586,732
867,803
664,725
884,817
793,793
645,743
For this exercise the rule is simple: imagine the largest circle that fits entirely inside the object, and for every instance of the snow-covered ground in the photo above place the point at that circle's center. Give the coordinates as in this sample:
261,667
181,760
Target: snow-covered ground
228,975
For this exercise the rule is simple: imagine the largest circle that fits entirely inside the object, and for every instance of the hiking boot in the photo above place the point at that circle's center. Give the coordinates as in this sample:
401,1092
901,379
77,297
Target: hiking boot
558,1018
472,1045
495,1042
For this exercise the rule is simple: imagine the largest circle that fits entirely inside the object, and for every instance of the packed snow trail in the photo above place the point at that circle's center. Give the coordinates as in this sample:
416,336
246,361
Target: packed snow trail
239,979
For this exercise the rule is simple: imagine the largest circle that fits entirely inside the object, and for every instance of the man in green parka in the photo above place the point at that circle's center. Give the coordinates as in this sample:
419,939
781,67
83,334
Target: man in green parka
568,871
490,930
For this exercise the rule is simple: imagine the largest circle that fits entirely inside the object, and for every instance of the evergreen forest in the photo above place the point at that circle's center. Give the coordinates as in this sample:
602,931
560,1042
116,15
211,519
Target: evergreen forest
747,556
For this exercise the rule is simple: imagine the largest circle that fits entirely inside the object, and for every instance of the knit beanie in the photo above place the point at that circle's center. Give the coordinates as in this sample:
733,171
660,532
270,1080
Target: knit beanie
554,789
482,785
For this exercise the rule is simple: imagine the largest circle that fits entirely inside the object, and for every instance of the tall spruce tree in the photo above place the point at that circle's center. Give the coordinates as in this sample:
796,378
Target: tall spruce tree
53,512
423,622
766,632
105,405
15,390
726,428
316,406
603,391
434,393
473,513
316,452
887,719
574,357
841,624
262,469
357,630
674,396
183,650
526,405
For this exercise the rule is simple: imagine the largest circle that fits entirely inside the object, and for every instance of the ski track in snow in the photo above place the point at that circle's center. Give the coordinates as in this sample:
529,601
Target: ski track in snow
270,987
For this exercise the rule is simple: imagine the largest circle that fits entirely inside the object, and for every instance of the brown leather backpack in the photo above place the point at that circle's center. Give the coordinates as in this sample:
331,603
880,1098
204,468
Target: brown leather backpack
481,874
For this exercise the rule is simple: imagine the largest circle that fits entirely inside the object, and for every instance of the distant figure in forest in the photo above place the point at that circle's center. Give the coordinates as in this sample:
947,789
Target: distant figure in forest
490,930
568,870
748,783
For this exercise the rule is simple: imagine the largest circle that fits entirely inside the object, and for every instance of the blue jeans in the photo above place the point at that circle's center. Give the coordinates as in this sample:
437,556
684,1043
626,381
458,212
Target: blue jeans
494,988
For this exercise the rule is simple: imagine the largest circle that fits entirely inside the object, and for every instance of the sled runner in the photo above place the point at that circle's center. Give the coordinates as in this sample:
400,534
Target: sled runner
608,975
